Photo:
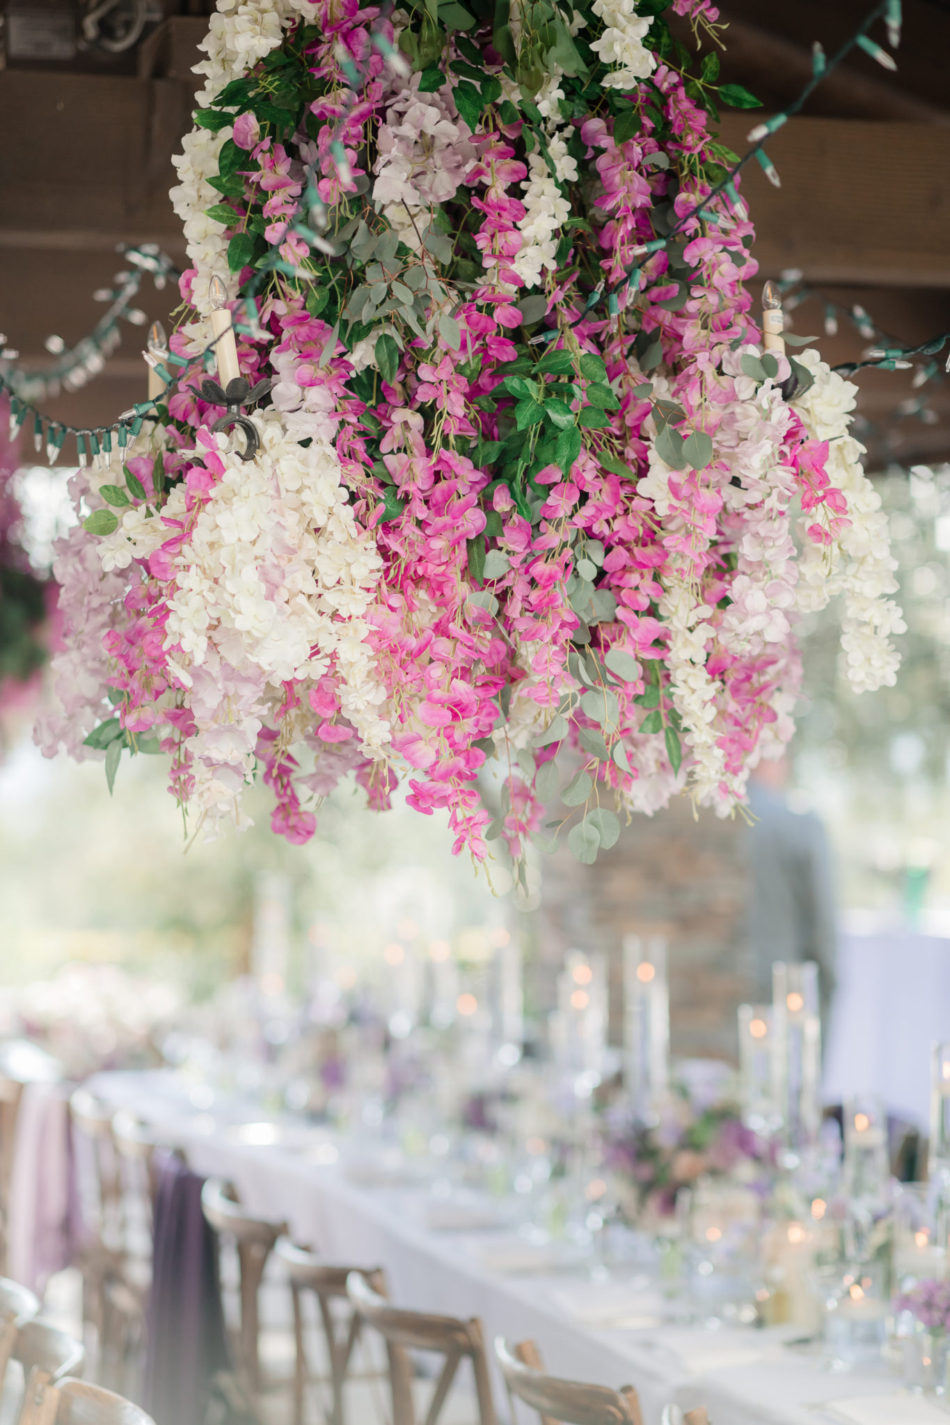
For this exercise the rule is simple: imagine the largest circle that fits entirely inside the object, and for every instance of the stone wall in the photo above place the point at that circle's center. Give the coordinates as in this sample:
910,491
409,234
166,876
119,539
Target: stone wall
673,875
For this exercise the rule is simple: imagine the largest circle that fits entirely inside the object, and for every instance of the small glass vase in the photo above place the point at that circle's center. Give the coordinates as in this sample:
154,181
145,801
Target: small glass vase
924,1356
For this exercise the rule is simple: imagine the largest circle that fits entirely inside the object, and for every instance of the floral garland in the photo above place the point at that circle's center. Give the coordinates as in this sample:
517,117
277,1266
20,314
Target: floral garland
27,602
498,517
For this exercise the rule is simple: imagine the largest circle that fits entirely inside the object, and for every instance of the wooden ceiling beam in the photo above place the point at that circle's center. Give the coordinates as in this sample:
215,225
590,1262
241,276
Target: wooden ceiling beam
860,202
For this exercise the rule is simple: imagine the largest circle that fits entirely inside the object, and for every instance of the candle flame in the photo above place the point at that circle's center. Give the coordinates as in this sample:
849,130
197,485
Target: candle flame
818,1208
394,954
646,973
855,1292
921,1238
217,292
582,974
795,1002
771,300
466,1004
157,343
758,1028
713,1234
861,1123
580,999
796,1233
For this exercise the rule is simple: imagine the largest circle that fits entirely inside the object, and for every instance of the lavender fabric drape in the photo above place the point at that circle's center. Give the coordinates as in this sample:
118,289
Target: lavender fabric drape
186,1343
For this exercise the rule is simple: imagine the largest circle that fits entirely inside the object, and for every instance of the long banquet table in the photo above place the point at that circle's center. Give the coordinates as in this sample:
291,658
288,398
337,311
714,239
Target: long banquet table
297,1173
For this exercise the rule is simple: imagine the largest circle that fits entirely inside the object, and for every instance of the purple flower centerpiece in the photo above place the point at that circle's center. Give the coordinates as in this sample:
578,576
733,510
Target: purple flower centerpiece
925,1351
653,1162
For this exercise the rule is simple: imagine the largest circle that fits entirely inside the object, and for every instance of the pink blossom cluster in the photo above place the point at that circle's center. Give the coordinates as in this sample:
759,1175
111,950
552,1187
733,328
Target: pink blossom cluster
605,606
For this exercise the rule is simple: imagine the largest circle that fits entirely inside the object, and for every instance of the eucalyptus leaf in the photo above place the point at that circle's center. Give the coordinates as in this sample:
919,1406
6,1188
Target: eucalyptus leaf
673,749
450,331
104,734
698,450
622,664
578,789
113,758
607,825
669,447
584,842
496,564
592,741
546,781
556,731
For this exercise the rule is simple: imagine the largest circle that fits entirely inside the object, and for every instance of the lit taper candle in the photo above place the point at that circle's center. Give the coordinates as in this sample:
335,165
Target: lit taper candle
773,320
223,328
156,354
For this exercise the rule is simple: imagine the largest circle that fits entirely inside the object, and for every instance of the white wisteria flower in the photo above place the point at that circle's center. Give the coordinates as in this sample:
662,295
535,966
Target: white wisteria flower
621,44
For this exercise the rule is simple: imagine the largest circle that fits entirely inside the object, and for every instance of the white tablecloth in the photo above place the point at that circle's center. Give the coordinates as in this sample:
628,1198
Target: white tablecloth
745,1378
892,1003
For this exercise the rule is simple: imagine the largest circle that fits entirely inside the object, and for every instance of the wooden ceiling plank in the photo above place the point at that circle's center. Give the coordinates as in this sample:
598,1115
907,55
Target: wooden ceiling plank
860,201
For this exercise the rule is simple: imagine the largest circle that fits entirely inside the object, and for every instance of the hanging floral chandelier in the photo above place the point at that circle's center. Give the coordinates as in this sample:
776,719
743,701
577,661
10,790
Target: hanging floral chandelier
519,485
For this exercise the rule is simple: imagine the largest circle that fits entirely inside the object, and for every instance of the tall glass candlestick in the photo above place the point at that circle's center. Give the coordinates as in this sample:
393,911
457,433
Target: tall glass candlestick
940,1116
866,1172
797,1045
579,1027
756,1073
646,1022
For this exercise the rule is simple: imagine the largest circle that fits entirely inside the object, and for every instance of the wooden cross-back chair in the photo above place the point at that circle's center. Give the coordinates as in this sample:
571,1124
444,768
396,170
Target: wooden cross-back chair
403,1331
309,1274
17,1305
11,1092
672,1415
558,1401
126,1285
41,1346
100,1256
255,1239
76,1402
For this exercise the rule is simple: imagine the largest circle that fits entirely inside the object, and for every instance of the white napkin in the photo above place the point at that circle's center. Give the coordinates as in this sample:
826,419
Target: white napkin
702,1352
902,1408
516,1256
461,1216
620,1304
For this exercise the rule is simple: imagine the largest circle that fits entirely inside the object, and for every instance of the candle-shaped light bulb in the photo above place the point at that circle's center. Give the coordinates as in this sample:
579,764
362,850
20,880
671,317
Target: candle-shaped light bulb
156,350
773,320
225,347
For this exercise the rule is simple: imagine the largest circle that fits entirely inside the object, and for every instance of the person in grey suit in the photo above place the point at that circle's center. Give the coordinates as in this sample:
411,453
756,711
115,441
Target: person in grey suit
792,908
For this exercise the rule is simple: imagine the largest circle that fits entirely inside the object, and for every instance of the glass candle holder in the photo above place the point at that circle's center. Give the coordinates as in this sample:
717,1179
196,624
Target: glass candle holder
756,1071
920,1250
646,1022
797,1052
579,1026
939,1160
856,1312
866,1168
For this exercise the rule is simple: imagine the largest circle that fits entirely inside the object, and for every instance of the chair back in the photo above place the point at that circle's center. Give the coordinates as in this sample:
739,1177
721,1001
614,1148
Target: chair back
44,1347
17,1305
308,1273
566,1401
11,1092
404,1331
673,1415
76,1402
93,1120
255,1239
135,1150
